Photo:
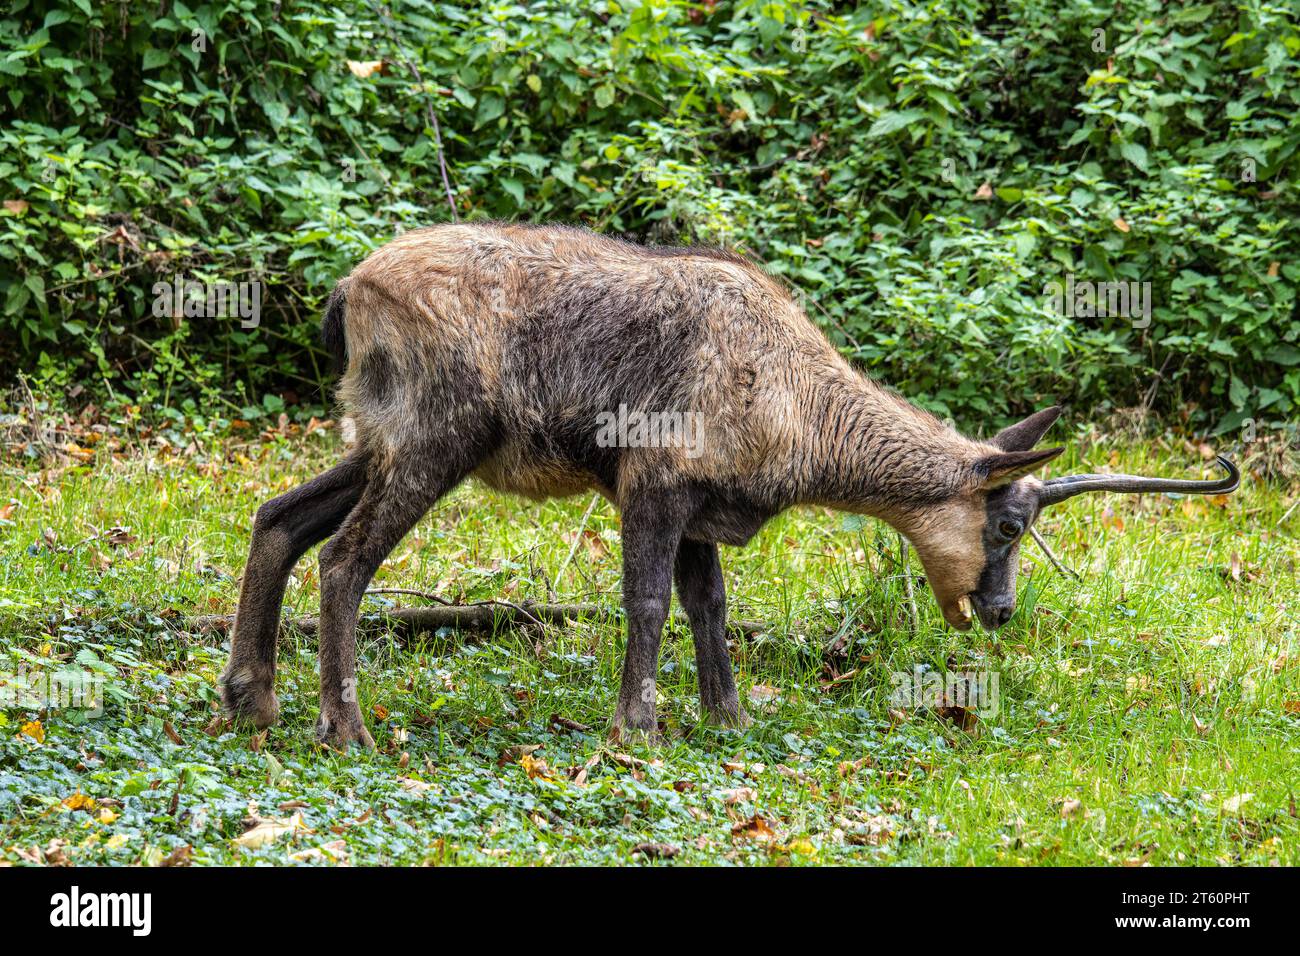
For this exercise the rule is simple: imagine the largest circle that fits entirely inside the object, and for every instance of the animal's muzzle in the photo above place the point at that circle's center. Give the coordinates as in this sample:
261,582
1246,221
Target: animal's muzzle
993,614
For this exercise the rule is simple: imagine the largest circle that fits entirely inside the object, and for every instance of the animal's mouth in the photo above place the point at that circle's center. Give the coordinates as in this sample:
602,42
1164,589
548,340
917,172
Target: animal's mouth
962,613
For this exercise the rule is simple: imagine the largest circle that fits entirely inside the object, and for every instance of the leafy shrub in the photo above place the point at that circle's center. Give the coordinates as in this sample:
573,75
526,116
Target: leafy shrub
919,172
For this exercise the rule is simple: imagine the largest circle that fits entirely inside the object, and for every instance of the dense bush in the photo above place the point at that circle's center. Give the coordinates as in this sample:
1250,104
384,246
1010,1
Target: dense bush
919,171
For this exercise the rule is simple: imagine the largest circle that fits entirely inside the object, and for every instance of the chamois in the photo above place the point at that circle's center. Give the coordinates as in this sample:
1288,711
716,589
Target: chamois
494,350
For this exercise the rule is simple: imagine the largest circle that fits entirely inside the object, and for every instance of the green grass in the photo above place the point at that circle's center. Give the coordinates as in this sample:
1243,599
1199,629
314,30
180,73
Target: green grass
1156,692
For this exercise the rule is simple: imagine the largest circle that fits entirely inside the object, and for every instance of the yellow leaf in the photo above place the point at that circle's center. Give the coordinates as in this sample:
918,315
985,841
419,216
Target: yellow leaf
79,801
106,815
1119,223
79,453
535,767
364,68
34,730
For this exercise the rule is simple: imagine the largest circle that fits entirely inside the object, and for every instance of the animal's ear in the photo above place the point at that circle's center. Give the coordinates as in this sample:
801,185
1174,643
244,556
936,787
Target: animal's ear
1007,466
1024,435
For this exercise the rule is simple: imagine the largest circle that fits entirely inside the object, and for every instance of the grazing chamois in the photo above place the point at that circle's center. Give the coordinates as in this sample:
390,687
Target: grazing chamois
502,351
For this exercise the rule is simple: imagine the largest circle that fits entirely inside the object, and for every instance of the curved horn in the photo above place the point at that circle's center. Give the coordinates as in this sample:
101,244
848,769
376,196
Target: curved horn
1057,490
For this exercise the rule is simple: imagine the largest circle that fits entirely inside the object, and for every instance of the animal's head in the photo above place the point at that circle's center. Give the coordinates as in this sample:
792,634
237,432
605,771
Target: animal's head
970,543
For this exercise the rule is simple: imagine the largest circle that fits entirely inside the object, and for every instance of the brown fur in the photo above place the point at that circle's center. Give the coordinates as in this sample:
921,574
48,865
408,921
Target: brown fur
491,350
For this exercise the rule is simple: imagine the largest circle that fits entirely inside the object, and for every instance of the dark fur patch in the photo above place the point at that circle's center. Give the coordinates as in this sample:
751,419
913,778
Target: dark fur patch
1008,503
332,332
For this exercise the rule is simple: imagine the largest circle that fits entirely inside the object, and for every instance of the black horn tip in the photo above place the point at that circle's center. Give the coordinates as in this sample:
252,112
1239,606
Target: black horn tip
1233,480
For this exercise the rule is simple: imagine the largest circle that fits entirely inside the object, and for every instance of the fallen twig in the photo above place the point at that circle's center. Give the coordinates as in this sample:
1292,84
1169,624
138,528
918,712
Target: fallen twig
482,616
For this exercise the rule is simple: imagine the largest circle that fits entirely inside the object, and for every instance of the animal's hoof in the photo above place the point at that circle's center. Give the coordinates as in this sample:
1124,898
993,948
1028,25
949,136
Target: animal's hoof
728,719
342,731
644,732
249,697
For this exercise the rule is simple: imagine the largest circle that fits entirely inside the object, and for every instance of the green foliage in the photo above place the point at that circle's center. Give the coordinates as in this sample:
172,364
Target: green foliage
919,172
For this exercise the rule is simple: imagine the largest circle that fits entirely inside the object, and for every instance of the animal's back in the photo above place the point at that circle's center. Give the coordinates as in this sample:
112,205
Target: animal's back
546,328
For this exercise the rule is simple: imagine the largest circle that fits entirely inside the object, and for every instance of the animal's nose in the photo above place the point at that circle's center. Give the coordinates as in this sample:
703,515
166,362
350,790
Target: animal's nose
993,614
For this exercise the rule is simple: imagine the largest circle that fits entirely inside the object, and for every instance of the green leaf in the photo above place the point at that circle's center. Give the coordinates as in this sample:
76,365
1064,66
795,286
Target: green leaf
155,58
516,189
1283,355
893,121
1135,153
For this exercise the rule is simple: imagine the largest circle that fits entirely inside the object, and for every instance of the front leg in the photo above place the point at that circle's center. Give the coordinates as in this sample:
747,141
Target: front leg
703,593
652,527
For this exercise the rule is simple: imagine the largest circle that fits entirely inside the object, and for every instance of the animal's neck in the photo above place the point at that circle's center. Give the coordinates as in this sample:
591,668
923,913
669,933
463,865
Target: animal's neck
873,453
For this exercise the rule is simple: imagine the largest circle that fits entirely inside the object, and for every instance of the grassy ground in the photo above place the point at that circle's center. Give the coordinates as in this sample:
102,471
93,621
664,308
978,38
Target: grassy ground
1145,714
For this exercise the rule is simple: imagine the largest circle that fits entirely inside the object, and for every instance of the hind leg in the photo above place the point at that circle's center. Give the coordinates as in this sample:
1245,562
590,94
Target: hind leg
283,530
703,594
652,526
390,506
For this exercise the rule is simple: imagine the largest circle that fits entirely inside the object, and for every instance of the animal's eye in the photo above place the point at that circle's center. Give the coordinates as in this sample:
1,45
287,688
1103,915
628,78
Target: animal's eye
1010,529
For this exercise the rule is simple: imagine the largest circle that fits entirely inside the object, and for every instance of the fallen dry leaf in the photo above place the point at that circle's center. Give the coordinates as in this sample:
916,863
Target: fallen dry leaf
657,850
535,767
765,698
1070,807
336,851
847,768
79,801
755,828
264,830
178,857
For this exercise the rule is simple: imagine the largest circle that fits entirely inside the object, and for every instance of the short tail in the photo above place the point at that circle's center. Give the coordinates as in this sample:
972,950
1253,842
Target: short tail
332,332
